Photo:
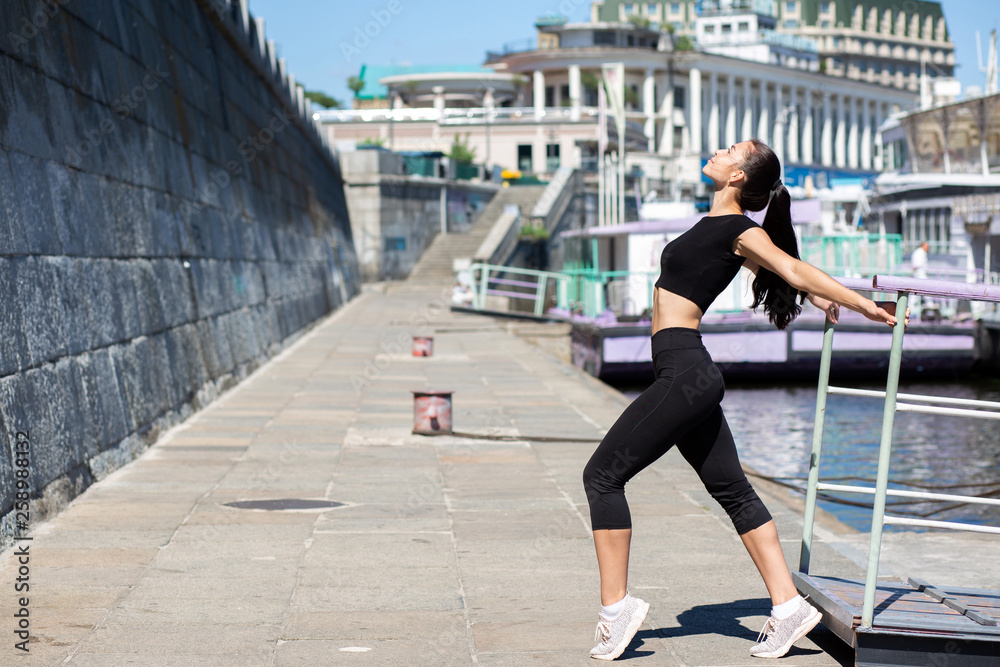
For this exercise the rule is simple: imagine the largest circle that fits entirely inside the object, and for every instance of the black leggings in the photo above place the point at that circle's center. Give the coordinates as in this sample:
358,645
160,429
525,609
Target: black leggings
682,408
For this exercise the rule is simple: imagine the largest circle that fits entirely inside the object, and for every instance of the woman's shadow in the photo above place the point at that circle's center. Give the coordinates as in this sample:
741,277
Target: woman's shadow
723,619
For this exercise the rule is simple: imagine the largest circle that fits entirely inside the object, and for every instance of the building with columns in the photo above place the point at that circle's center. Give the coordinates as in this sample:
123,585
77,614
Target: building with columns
693,102
878,41
681,105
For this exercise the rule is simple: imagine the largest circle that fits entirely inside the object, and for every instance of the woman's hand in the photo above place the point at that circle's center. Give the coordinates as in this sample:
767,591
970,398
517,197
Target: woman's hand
884,311
831,309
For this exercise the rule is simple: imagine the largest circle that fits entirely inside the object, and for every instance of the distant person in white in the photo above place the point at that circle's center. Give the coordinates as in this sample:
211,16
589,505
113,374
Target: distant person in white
919,260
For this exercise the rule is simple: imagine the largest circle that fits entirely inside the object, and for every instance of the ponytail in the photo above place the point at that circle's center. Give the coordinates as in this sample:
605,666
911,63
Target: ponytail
762,169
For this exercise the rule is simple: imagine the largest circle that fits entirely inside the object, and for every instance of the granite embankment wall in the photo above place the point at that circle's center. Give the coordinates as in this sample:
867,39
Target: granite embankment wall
169,218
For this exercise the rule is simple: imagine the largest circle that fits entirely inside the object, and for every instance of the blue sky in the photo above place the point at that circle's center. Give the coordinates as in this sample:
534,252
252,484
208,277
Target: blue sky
317,37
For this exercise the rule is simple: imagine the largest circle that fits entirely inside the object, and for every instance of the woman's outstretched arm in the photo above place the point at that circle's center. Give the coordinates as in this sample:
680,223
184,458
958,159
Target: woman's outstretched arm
756,245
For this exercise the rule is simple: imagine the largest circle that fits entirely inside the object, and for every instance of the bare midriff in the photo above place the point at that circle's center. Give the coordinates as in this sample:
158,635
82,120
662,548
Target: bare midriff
673,310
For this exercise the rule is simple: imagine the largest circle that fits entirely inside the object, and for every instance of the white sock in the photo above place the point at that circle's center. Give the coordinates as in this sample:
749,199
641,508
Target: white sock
611,611
786,609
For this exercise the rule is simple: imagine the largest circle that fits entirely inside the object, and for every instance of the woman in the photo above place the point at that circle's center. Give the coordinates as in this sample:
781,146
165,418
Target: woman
682,406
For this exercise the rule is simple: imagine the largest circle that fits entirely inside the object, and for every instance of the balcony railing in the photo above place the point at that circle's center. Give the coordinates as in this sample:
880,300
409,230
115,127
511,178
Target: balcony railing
459,116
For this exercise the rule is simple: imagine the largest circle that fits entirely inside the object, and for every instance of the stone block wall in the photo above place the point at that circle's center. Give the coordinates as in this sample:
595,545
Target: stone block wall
169,218
395,217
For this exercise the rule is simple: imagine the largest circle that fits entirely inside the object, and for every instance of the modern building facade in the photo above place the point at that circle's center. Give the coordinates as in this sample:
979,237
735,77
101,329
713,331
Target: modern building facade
878,41
943,183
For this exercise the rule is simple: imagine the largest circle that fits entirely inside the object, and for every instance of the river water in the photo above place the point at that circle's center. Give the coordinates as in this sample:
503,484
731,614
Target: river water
773,428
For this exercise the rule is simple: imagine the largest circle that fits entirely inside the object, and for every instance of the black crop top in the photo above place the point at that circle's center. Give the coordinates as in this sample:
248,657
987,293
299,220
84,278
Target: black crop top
700,263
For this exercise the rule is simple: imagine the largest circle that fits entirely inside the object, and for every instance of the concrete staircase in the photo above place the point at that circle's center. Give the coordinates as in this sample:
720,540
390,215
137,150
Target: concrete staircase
435,265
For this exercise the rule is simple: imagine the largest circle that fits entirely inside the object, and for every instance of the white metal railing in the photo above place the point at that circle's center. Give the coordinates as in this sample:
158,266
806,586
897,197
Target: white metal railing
903,287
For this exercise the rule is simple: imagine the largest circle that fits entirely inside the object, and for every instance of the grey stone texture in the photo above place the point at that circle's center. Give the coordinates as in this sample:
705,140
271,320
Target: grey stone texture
169,218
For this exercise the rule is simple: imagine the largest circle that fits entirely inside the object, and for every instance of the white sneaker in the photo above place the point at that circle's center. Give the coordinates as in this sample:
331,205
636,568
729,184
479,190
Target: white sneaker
615,635
779,634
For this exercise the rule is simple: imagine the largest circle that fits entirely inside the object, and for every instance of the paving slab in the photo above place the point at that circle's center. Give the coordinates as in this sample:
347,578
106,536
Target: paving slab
462,549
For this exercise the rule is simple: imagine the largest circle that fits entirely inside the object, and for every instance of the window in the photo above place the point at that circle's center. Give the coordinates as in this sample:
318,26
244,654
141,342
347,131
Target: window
824,7
651,9
824,24
727,28
678,26
791,7
604,38
629,9
675,8
550,96
710,29
631,40
524,157
564,94
551,157
744,26
679,98
791,23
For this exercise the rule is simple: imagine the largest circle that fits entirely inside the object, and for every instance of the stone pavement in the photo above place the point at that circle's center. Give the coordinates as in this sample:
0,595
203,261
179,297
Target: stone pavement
447,550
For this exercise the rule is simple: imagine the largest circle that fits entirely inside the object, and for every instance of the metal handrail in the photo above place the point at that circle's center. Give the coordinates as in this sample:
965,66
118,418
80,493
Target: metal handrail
902,493
903,287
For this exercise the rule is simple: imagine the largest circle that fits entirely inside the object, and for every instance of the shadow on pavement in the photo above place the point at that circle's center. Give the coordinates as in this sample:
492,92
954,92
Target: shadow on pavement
723,619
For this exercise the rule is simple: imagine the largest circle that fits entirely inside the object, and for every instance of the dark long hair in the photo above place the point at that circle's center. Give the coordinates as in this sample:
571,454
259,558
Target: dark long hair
763,171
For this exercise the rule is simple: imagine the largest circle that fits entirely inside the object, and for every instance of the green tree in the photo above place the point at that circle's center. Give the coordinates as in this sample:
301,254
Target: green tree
632,97
638,21
683,43
355,83
589,80
372,141
460,151
322,99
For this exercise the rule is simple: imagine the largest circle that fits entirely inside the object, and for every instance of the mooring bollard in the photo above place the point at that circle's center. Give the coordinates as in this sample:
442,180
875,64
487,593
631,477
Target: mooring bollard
432,412
423,346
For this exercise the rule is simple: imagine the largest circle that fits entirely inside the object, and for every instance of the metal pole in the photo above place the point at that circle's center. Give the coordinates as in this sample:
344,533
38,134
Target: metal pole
621,181
817,447
885,449
600,190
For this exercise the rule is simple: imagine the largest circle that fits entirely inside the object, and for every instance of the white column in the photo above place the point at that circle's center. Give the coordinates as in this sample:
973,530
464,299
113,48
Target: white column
778,140
764,119
880,163
694,111
713,112
793,126
826,138
807,127
852,136
649,109
538,94
746,127
574,92
866,134
667,116
730,111
840,143
438,99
